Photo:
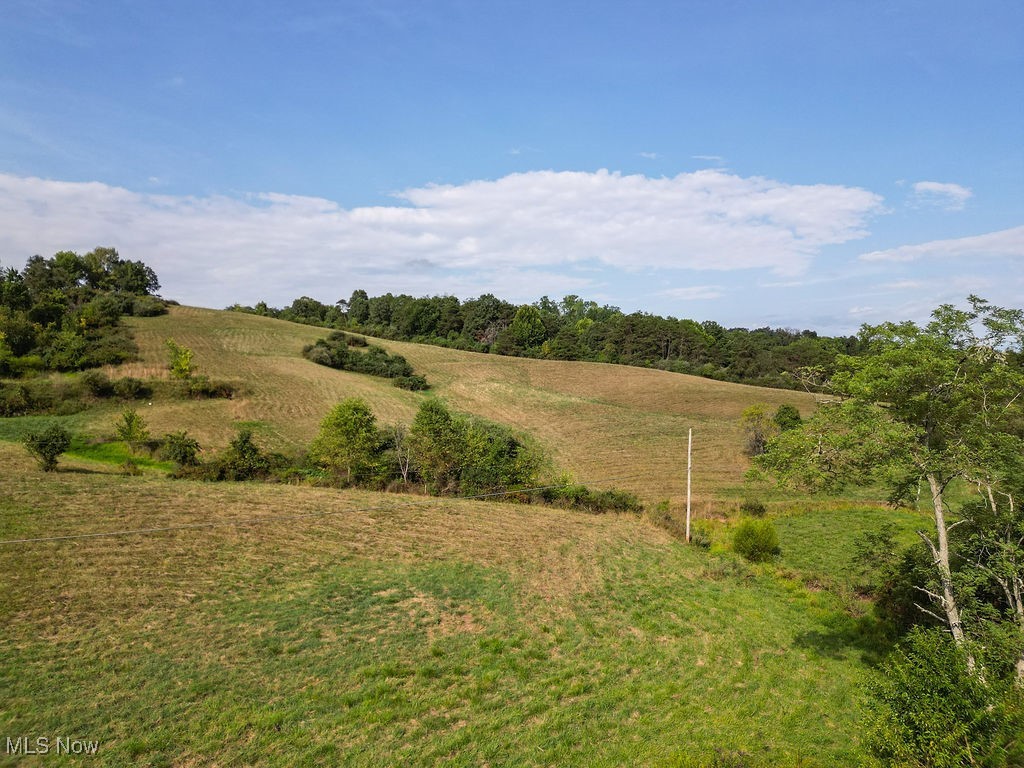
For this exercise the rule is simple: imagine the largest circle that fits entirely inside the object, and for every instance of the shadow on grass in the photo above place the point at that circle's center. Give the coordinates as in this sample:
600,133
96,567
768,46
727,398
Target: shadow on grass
82,471
842,635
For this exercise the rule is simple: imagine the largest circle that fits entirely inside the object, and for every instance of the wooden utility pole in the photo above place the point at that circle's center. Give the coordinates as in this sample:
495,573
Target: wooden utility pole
689,467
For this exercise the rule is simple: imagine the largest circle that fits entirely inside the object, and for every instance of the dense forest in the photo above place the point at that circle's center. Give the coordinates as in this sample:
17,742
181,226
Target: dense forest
577,329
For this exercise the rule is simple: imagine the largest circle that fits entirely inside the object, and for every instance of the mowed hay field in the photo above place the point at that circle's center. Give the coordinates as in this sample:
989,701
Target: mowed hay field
607,425
348,628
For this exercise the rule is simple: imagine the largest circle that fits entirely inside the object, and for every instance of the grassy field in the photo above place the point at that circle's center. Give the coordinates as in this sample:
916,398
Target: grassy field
606,424
257,624
399,630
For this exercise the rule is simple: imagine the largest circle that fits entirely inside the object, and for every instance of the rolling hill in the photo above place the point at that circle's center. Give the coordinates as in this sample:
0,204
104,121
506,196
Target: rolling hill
258,624
606,424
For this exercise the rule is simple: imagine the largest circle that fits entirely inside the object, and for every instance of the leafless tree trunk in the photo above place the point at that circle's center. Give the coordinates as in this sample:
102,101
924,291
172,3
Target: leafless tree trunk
403,454
940,555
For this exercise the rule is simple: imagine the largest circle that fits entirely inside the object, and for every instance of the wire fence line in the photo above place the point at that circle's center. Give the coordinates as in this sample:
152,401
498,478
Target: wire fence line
260,519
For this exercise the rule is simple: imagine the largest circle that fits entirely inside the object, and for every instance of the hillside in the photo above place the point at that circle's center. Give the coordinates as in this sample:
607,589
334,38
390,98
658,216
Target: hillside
258,624
360,629
606,424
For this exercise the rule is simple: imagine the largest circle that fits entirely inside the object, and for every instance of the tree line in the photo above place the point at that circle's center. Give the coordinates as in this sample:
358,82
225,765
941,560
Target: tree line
577,329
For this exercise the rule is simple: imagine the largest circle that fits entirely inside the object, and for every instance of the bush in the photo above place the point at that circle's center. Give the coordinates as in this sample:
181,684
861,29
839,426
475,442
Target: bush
787,417
200,387
415,383
756,540
180,364
578,496
131,428
245,460
97,383
47,444
148,306
700,536
13,400
130,388
927,709
181,449
753,507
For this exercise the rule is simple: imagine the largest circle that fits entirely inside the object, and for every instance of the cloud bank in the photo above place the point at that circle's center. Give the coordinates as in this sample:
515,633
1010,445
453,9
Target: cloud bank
1007,243
517,230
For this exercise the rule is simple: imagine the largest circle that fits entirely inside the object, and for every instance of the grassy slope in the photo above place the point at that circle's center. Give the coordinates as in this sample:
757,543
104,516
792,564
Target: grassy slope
399,630
599,421
410,630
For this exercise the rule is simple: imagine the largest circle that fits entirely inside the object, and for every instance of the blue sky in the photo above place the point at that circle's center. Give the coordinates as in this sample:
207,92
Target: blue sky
801,164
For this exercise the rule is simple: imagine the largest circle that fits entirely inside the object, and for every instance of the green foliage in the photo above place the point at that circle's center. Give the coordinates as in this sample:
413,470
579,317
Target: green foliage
131,388
928,709
456,454
131,428
181,449
787,417
200,387
180,364
349,444
439,444
756,540
335,352
47,444
576,329
844,443
97,383
148,306
244,459
580,497
64,313
759,428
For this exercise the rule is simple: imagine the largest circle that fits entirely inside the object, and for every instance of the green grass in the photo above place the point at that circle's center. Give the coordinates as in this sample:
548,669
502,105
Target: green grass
418,633
347,627
819,541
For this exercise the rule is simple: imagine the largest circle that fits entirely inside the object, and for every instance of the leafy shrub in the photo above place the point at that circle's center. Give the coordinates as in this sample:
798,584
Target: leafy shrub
756,540
753,507
39,395
415,383
334,352
202,387
180,364
131,388
97,383
348,444
47,444
148,306
243,460
927,709
700,536
108,346
131,428
787,417
578,496
13,400
181,449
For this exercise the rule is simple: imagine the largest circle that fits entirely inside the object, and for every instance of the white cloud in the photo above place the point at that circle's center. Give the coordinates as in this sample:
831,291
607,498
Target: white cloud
694,292
952,197
1007,243
650,155
217,249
